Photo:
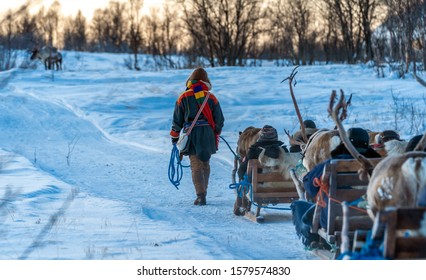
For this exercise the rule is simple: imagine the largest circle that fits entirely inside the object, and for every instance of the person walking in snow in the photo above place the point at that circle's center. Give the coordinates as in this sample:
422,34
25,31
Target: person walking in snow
204,137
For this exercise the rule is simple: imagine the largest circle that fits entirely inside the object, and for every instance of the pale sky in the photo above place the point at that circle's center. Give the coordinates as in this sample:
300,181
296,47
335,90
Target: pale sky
70,7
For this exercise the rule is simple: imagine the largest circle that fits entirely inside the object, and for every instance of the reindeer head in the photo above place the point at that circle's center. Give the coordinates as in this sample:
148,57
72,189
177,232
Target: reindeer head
322,142
247,138
34,54
339,113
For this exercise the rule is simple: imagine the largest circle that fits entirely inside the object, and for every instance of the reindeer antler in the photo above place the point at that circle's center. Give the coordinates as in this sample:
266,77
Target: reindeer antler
299,116
291,139
338,113
344,106
422,144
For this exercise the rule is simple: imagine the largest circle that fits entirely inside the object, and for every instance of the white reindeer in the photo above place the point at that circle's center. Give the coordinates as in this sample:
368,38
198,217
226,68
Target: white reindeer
49,56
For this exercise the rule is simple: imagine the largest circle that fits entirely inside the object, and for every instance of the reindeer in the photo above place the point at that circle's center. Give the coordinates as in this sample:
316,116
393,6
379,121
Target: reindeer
246,138
56,61
387,142
396,180
49,56
317,148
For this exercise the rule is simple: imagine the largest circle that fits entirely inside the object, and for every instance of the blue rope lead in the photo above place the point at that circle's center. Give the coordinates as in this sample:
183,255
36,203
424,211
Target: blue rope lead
175,167
244,187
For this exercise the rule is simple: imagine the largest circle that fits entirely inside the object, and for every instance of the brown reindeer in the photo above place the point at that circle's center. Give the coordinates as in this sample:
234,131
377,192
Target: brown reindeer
396,180
49,56
246,138
317,150
319,147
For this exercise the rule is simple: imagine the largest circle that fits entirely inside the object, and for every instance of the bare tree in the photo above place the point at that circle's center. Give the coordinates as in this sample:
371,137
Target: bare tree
152,28
280,32
170,34
99,30
405,15
135,35
329,38
420,40
51,23
26,30
7,60
200,28
117,17
223,28
80,32
74,33
109,28
300,15
345,15
368,16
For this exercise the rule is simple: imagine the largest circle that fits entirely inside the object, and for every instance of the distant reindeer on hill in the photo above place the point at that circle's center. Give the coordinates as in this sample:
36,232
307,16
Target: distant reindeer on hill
50,57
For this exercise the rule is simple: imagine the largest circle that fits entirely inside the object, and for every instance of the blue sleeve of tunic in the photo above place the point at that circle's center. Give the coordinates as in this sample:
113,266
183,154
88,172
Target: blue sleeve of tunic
308,179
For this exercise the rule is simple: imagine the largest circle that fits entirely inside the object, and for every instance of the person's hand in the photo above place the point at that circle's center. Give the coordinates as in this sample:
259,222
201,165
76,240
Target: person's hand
174,140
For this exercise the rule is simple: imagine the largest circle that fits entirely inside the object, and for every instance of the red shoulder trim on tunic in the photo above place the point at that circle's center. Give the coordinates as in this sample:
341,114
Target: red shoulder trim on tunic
213,98
185,94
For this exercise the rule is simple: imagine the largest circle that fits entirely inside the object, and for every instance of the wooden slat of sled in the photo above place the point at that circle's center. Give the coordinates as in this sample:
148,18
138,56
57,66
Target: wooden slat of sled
284,188
360,237
398,227
284,191
344,185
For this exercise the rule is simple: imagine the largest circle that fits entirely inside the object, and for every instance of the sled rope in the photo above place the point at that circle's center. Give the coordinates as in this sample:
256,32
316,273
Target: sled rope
242,187
175,167
235,155
323,186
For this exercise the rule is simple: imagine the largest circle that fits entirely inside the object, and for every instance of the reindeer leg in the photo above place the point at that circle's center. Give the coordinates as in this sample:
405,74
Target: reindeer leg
234,171
259,218
299,184
238,206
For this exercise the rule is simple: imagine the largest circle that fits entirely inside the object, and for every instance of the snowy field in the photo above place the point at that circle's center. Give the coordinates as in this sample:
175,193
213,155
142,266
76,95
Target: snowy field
84,156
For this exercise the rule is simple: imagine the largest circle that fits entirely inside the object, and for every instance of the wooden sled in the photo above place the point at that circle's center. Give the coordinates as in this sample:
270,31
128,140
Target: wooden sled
397,230
284,191
344,185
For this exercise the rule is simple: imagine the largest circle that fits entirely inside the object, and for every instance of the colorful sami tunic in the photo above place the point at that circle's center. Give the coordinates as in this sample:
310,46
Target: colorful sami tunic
203,140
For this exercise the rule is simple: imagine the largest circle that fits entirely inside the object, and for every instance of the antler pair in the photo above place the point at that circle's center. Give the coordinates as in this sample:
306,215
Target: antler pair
299,116
338,114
